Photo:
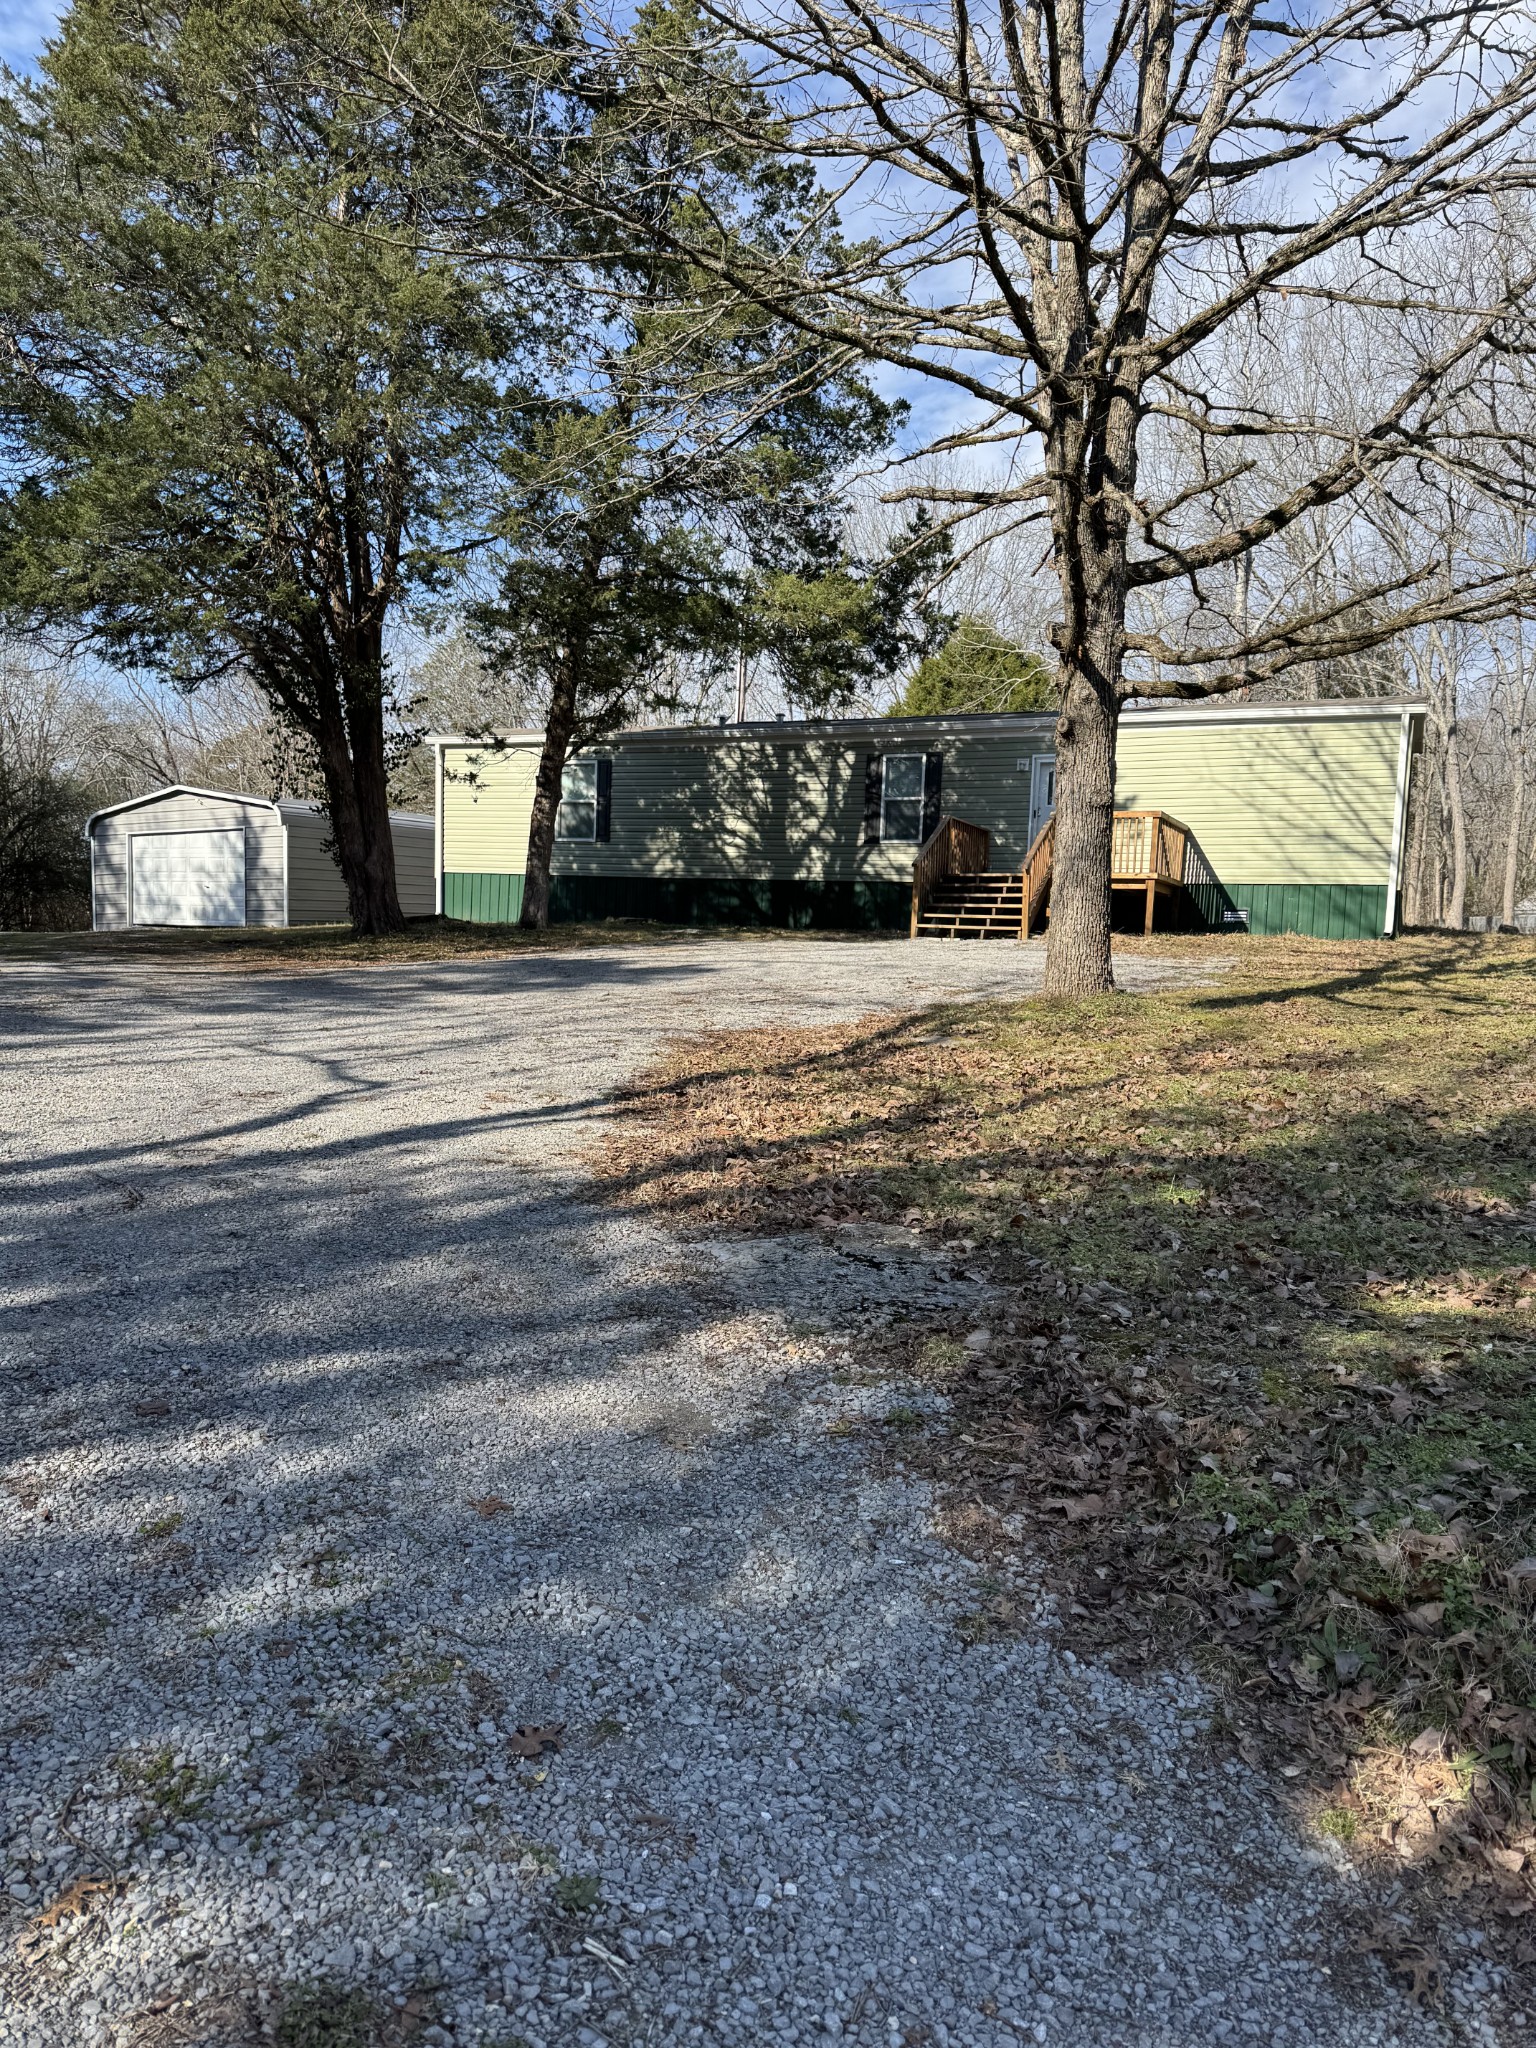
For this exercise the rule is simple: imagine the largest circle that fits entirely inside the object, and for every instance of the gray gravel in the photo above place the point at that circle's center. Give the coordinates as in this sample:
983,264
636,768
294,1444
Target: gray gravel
296,1267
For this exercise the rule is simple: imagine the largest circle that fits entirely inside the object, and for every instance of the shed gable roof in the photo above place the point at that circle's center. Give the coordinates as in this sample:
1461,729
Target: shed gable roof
154,796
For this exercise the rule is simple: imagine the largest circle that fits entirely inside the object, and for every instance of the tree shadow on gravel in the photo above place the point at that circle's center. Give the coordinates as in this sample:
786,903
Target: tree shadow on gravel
360,1481
226,1382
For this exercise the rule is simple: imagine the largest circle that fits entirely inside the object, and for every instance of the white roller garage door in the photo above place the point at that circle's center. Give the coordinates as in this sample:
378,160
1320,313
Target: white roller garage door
189,877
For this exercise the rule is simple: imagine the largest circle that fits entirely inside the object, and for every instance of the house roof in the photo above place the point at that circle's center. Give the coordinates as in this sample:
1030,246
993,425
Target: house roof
1001,725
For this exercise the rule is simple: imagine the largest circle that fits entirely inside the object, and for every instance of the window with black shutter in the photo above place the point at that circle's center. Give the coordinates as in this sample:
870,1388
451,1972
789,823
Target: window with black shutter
901,798
577,816
604,798
873,781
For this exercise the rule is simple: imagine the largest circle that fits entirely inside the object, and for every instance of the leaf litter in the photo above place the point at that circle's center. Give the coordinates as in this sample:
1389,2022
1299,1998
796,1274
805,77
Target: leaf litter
1265,1386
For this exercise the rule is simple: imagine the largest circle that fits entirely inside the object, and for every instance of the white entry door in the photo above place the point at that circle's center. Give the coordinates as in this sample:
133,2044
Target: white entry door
1042,792
188,877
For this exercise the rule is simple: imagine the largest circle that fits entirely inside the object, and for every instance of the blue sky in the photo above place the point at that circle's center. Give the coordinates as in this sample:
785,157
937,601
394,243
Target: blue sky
23,26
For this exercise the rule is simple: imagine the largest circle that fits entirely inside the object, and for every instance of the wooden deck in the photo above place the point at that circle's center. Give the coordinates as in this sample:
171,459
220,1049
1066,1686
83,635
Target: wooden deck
956,894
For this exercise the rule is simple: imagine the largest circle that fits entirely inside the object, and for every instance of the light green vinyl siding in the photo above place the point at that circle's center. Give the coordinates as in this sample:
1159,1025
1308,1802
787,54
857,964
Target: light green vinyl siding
776,807
1295,815
487,805
1289,802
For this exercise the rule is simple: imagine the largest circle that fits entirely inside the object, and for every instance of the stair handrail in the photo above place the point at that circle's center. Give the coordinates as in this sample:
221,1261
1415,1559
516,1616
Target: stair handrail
1036,872
1150,843
954,847
1146,846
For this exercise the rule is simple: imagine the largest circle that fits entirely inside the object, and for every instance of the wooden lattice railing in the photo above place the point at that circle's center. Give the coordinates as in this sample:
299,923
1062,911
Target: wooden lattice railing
954,847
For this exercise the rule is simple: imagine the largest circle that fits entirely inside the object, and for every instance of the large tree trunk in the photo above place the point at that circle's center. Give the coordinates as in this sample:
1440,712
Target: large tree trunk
558,727
1077,957
1456,909
1091,643
351,747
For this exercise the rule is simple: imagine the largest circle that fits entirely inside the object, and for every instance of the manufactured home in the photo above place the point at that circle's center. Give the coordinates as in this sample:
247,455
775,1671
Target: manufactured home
183,856
1268,818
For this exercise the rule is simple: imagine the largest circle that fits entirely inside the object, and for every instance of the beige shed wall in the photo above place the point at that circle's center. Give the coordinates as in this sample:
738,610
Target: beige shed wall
316,892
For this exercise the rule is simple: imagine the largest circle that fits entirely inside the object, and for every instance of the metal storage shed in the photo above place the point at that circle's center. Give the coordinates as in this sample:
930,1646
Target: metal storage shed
184,856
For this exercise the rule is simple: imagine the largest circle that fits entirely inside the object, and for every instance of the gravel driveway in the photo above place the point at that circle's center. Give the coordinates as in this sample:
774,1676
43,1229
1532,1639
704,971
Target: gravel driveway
345,1438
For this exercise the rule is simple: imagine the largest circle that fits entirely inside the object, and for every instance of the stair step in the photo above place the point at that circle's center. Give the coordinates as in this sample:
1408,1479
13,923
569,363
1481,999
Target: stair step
982,906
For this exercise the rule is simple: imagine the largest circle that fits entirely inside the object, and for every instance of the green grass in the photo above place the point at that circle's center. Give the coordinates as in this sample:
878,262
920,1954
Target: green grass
175,1791
326,2016
160,1526
578,1894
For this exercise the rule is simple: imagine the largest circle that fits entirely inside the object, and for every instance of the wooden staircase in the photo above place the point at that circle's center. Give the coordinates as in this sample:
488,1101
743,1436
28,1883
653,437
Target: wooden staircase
984,906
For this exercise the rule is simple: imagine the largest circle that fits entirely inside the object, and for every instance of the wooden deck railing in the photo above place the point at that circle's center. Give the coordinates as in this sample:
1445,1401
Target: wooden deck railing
1148,846
1148,849
1037,875
954,847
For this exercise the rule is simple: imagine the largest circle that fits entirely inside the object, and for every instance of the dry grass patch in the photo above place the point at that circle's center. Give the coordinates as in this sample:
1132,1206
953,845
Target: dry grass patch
1265,1381
256,950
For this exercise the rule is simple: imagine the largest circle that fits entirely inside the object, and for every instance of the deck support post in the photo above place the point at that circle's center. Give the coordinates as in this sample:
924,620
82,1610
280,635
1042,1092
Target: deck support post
1151,906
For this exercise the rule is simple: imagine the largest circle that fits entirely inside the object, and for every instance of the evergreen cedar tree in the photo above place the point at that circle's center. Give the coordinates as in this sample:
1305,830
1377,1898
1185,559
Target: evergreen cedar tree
977,670
279,358
684,504
247,384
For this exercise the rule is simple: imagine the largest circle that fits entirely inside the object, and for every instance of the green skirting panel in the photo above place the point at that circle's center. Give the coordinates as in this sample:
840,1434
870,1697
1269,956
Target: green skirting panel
1318,910
483,899
844,905
687,899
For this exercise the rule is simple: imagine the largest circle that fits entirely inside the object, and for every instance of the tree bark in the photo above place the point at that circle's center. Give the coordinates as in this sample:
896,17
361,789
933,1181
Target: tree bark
1455,802
351,748
1516,825
1091,568
1078,959
558,727
1414,905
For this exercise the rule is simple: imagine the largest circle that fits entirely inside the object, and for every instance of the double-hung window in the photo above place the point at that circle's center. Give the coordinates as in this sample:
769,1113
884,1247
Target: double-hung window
901,798
577,815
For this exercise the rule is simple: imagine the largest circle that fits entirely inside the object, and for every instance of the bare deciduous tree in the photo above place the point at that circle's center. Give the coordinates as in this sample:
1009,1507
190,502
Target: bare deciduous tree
1073,216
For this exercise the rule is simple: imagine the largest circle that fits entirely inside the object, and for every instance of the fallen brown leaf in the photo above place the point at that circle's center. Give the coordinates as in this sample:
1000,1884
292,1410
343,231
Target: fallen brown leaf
1080,1507
408,2021
73,1900
1417,1968
533,1741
